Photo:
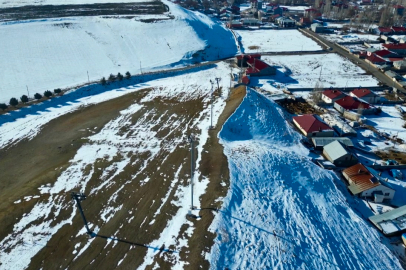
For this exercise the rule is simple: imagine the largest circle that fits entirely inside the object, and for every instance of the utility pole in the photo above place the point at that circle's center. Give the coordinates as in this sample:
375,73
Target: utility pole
28,92
218,86
191,140
140,67
320,72
88,80
211,105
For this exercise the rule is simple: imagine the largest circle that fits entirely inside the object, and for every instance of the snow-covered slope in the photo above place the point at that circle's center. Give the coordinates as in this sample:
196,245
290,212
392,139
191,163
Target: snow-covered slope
282,211
57,53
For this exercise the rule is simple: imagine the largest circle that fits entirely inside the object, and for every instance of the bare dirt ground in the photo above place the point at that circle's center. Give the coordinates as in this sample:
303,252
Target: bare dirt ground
31,164
57,11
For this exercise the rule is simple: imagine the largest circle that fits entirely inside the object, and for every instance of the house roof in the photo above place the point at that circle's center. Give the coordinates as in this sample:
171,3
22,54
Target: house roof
350,103
331,93
398,29
385,29
363,92
249,56
376,59
335,150
323,141
311,123
398,6
256,65
400,46
394,59
361,179
391,221
382,53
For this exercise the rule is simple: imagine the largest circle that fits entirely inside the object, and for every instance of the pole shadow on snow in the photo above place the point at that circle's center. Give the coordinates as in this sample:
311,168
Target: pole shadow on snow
268,232
74,96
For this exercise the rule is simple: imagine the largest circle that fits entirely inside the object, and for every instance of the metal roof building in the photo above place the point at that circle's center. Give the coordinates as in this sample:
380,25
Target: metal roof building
320,142
392,222
336,153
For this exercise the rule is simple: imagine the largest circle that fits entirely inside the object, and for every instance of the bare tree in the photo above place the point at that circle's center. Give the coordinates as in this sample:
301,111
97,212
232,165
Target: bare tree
315,95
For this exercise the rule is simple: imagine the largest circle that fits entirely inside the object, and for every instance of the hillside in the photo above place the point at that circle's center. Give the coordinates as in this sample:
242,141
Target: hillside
62,52
282,211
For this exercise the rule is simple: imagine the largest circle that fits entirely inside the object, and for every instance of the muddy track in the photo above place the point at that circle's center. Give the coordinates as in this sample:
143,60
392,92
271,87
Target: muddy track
108,9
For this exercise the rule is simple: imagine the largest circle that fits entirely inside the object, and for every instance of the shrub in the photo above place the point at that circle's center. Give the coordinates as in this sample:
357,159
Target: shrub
24,99
57,91
13,102
112,78
127,75
37,96
48,93
103,81
120,77
3,106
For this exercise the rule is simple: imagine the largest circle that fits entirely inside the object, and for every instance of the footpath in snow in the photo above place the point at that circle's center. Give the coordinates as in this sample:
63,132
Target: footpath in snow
282,211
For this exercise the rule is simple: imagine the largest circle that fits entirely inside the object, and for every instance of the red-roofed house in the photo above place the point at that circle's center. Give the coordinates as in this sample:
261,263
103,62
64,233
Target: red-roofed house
399,9
243,58
349,103
366,95
330,96
397,48
399,30
259,68
374,59
383,53
245,80
383,30
312,126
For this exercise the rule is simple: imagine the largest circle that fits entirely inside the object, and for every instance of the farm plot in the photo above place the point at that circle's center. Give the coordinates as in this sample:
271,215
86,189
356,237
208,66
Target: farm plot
254,41
304,71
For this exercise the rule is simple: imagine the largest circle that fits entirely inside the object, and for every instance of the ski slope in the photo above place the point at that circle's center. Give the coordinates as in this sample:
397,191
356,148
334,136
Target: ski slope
282,211
57,53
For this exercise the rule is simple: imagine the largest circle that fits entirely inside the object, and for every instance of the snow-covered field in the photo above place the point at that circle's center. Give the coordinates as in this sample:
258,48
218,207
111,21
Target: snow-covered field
57,53
18,3
389,121
275,41
116,148
282,211
350,37
304,71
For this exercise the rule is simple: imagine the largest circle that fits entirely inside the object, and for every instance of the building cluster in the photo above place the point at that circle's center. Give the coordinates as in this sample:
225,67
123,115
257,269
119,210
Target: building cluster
333,138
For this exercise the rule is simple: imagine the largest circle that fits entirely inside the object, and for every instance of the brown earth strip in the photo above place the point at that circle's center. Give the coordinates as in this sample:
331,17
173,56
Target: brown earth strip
214,165
31,163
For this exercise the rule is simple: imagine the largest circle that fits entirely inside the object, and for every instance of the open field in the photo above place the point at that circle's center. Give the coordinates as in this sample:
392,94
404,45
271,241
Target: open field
304,71
131,156
58,53
275,41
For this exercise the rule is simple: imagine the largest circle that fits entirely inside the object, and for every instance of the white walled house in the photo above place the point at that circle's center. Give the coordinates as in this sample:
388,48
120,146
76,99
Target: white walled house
330,96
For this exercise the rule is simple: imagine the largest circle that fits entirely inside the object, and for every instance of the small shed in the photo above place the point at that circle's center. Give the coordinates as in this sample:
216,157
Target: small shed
337,154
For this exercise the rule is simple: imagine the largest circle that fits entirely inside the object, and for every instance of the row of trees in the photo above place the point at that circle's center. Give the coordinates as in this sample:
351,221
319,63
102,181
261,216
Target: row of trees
113,78
24,98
